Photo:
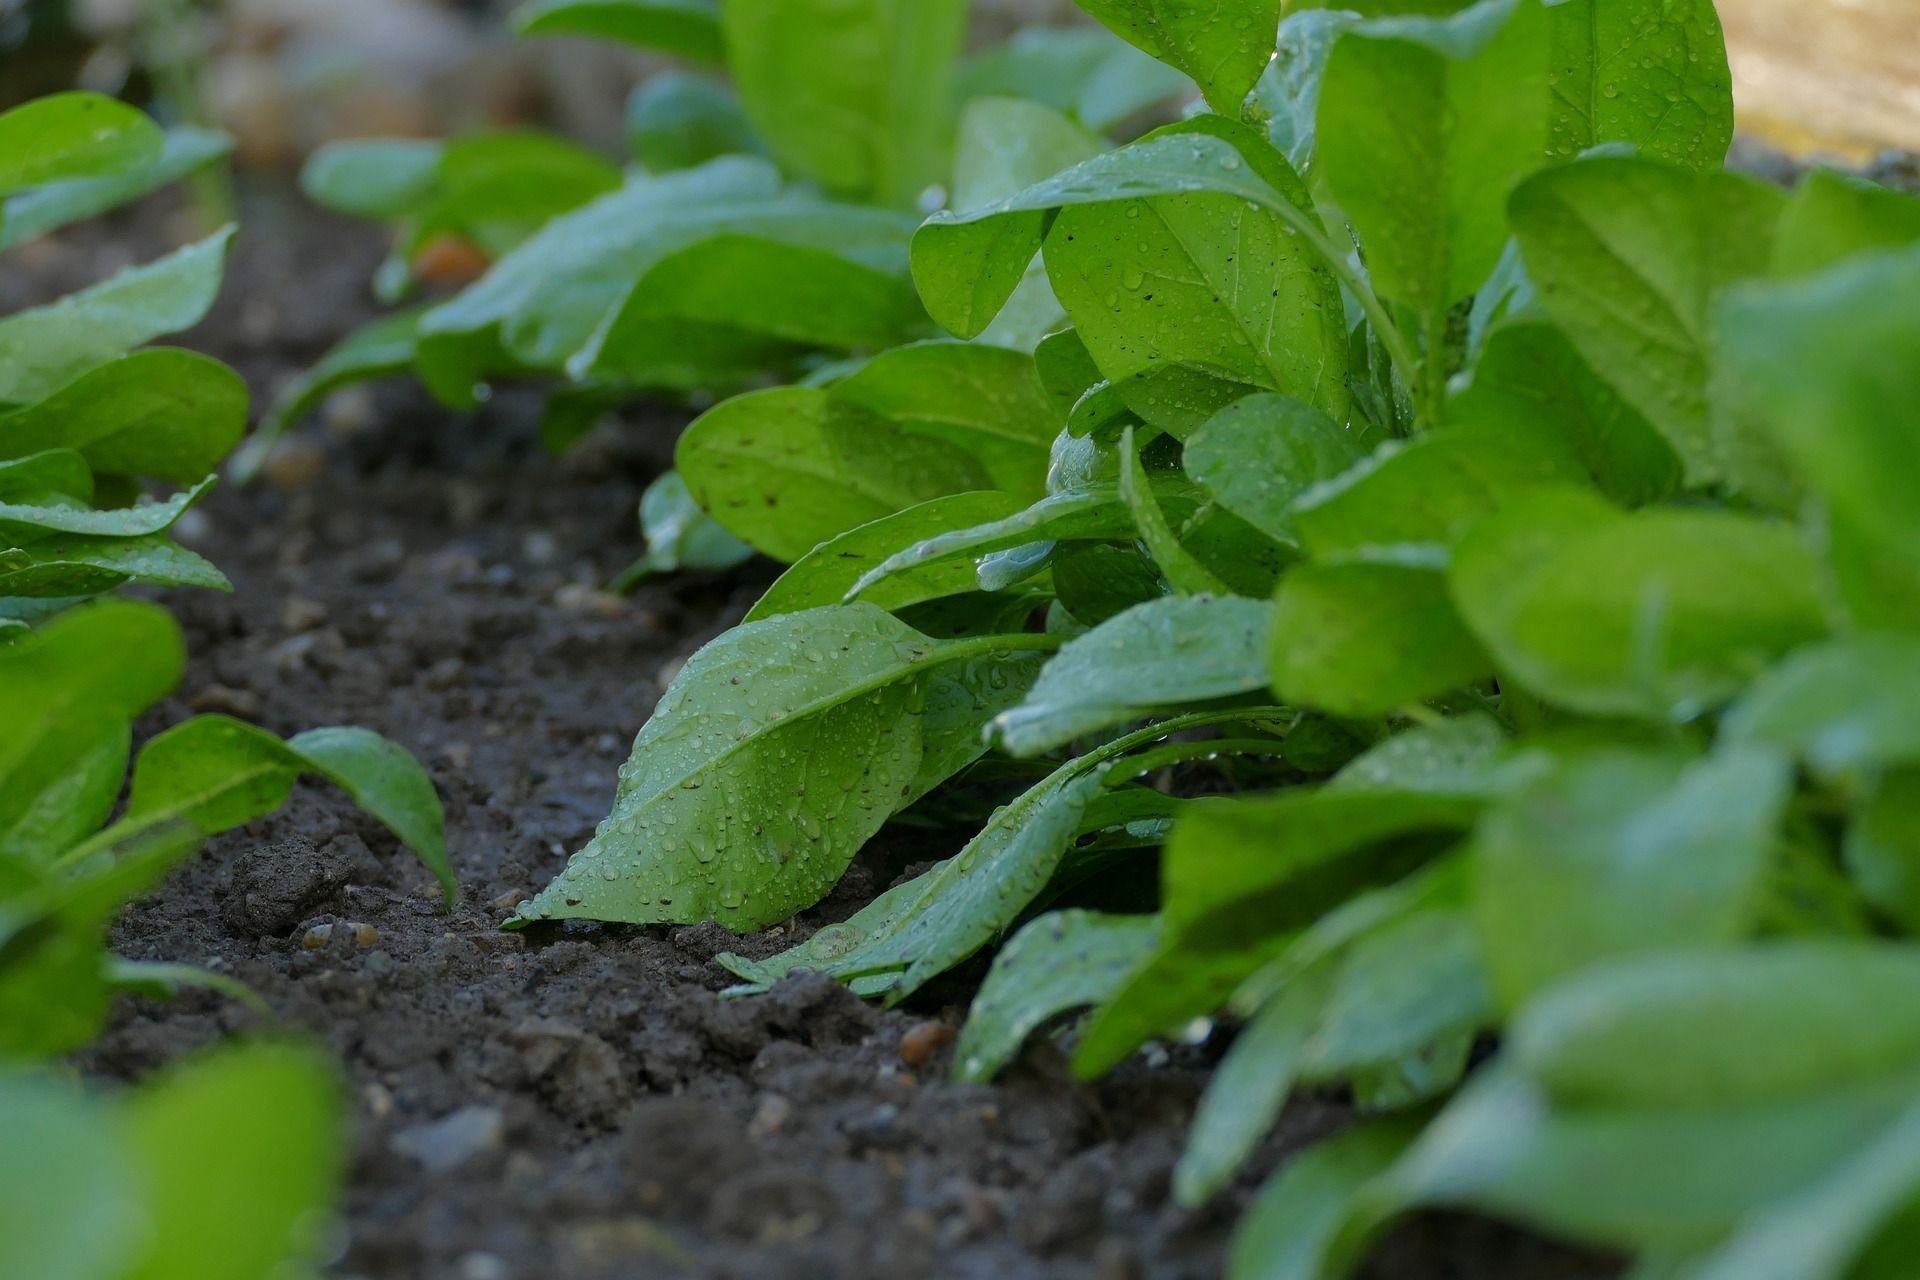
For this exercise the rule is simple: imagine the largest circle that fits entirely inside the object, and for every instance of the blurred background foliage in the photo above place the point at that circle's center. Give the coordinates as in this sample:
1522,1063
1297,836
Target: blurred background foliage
1832,77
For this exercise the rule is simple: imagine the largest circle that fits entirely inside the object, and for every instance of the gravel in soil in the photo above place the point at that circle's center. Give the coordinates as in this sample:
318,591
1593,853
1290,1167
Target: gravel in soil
580,1102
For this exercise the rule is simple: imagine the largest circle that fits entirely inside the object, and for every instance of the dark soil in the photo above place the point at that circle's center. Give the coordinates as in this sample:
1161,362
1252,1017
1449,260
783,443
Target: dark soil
579,1102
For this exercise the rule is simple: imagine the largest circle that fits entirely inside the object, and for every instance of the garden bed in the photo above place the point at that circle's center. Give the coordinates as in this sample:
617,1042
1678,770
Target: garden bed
579,1101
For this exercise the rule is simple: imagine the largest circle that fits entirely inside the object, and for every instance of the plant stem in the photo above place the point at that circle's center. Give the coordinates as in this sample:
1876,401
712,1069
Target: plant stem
1432,397
971,647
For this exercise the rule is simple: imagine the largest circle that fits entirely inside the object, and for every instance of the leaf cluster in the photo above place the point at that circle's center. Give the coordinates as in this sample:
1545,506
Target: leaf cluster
1486,522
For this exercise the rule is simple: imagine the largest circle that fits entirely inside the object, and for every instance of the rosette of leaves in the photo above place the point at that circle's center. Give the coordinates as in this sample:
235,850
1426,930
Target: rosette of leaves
1450,452
89,415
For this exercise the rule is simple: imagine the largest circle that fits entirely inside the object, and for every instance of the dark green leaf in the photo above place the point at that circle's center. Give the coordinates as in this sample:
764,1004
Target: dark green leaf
164,413
1623,852
1844,708
1257,455
676,120
683,28
1088,75
1060,961
1171,652
1368,637
1656,78
1223,48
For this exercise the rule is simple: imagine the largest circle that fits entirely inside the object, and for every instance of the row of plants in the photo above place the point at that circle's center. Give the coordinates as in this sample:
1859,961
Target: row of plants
105,442
1427,441
1419,520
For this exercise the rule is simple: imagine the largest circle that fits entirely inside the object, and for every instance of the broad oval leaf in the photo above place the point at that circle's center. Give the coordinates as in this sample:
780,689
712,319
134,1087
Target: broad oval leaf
45,348
164,413
1657,614
1846,707
36,212
1361,637
1629,256
1726,1028
1257,455
786,469
65,136
1222,47
683,28
1621,852
1425,124
1060,961
741,802
856,95
1171,652
1656,78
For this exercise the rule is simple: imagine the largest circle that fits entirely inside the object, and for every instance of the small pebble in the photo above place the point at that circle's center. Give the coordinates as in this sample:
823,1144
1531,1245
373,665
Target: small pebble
577,597
452,1140
300,614
221,699
293,464
364,935
317,937
770,1116
922,1040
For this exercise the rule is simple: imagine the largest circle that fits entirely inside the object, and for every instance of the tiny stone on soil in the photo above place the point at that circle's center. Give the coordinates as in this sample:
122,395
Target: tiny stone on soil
922,1040
451,1141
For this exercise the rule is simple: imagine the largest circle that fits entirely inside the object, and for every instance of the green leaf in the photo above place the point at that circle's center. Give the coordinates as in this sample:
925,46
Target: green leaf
1666,1178
73,135
1629,256
1289,88
1726,1028
65,790
1188,292
739,803
1530,381
382,178
164,413
790,468
1171,652
378,349
986,400
1622,852
66,566
1239,879
723,309
45,348
1832,216
1845,707
826,574
679,119
1257,455
1249,1088
259,1126
1397,990
1462,755
679,535
1425,125
856,95
682,28
1222,47
99,664
1368,637
496,189
1430,491
69,1205
1832,366
215,773
1819,1233
1657,614
1060,961
387,783
549,302
1656,78
1088,75
29,214
1297,1215
967,263
25,521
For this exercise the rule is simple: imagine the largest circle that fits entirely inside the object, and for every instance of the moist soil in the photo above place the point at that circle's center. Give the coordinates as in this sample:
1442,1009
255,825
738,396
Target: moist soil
580,1102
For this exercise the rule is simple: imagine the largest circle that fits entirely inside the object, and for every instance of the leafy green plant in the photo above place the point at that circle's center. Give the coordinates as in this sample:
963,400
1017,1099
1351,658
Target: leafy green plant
1444,446
84,418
